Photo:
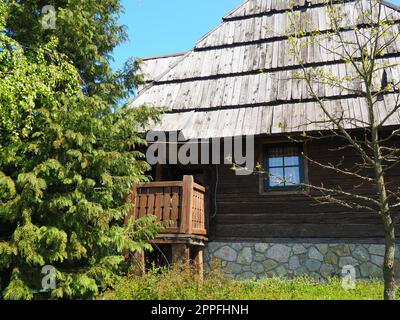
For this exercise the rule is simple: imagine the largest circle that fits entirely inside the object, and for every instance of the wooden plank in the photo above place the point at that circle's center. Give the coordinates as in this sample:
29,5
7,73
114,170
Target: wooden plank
195,211
151,204
299,231
158,210
142,205
159,184
248,29
175,207
237,121
166,213
230,127
187,204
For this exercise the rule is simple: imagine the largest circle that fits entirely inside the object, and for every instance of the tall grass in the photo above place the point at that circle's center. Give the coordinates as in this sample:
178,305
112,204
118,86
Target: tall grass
179,283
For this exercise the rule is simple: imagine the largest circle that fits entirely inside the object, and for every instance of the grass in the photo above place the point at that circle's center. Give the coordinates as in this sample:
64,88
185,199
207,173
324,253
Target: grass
178,283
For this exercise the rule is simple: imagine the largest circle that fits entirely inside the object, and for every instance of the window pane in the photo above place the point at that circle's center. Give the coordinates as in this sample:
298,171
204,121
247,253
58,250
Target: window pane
292,176
275,157
292,161
284,164
291,154
276,177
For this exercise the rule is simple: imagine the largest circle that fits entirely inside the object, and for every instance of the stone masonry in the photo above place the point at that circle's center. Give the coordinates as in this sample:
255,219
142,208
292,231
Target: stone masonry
320,261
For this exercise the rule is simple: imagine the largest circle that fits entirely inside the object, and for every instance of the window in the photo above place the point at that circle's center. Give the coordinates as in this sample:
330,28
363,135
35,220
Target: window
285,167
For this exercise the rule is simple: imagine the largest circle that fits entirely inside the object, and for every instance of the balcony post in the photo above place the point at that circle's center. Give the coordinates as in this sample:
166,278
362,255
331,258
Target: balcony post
187,205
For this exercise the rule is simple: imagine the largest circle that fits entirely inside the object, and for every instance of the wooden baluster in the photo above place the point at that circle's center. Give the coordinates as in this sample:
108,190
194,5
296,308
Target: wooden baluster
158,205
196,208
193,216
204,212
167,206
202,216
143,204
197,211
180,213
200,211
175,207
150,203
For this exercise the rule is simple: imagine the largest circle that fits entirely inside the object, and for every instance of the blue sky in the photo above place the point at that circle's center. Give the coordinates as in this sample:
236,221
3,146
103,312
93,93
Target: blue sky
157,27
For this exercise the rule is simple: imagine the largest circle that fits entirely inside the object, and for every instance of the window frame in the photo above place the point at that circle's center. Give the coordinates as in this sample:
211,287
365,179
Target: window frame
266,188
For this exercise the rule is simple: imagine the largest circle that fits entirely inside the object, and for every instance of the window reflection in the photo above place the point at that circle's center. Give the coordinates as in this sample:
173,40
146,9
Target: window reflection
284,166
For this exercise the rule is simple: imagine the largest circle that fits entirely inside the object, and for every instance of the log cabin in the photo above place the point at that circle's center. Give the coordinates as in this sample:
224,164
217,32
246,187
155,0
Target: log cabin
236,82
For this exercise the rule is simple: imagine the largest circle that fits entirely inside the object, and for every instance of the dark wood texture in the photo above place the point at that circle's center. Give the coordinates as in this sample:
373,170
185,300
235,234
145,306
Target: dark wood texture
180,205
243,212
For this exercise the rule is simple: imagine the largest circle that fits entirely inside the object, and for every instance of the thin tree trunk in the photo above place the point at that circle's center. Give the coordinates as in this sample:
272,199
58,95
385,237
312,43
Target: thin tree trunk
388,223
390,251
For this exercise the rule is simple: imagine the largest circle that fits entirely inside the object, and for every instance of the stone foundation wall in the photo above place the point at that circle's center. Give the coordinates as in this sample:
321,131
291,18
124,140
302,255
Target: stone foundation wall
319,260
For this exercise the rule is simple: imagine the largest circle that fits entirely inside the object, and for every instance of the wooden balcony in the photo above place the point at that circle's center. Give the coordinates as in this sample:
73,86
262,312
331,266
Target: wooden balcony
179,205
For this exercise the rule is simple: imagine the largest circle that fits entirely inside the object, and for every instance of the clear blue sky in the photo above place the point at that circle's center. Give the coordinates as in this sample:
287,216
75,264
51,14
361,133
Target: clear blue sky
159,27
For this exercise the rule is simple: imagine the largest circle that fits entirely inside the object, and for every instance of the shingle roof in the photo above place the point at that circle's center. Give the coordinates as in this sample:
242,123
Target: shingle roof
154,67
238,78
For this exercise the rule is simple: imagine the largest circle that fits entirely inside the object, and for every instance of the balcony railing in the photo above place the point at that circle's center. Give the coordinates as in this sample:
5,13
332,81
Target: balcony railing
180,205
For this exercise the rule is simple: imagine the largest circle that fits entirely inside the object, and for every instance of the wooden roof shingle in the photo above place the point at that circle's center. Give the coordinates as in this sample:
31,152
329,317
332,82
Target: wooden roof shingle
154,67
239,80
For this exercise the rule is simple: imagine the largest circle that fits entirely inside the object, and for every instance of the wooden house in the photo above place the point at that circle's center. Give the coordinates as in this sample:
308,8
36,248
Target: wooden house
237,82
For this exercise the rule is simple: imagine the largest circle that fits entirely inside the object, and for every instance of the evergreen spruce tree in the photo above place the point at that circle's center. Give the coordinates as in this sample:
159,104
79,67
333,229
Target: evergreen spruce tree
68,153
87,33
